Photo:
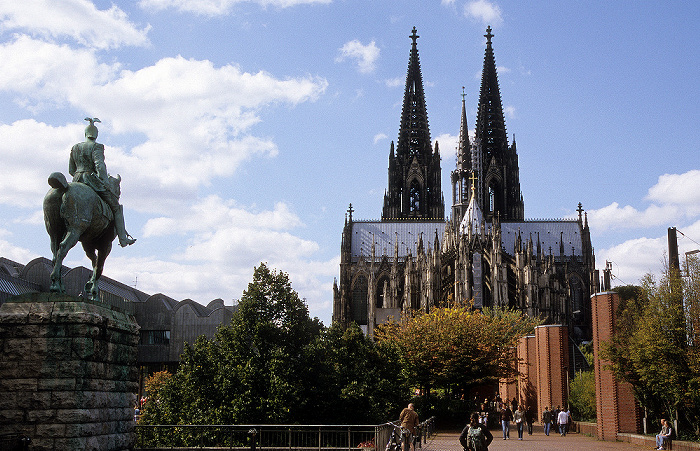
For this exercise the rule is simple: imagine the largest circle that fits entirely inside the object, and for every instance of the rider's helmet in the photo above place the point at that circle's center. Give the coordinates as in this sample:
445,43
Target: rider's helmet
91,130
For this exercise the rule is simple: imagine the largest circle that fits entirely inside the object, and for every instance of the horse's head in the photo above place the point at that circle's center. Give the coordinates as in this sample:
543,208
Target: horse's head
115,184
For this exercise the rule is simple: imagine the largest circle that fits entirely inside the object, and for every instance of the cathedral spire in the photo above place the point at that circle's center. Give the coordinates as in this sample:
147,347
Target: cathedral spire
496,161
414,190
414,135
490,123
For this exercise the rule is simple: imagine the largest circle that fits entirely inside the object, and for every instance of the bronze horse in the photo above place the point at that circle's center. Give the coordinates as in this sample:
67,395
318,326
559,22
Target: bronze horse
74,212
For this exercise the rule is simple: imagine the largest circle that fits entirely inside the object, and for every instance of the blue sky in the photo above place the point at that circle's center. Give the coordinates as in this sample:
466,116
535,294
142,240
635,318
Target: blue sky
243,129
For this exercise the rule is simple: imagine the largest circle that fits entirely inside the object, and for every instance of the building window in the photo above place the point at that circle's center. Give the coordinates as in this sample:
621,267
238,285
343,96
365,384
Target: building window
414,198
359,301
155,337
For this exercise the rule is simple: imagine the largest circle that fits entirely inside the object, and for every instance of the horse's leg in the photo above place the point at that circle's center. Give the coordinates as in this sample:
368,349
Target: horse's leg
98,265
90,252
69,240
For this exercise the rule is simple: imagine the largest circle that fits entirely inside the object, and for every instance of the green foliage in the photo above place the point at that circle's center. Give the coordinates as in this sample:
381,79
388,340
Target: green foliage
274,364
582,396
654,348
456,346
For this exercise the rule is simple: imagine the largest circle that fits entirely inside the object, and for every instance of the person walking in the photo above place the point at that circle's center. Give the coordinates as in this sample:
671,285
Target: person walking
519,418
563,420
475,436
529,418
409,423
547,420
506,417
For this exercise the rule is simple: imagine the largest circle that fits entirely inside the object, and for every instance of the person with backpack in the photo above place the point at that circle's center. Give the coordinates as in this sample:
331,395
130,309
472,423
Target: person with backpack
475,436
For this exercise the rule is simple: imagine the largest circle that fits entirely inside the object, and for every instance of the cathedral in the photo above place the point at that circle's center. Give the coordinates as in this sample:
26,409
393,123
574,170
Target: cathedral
416,258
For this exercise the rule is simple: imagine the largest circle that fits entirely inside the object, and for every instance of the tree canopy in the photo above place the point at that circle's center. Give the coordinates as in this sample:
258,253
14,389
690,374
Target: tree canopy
274,364
456,346
656,348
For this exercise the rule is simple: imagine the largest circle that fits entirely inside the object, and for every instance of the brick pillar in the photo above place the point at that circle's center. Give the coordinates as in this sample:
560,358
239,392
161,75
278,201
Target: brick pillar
508,388
527,369
552,344
617,410
68,375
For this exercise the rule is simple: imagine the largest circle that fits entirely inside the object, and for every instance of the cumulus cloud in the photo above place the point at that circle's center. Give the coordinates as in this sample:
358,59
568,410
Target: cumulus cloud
380,137
634,258
30,151
675,203
394,82
79,20
675,197
194,118
364,55
447,144
487,12
221,242
681,189
219,7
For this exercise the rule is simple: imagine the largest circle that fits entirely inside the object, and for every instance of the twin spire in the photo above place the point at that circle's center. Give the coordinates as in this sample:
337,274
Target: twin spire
414,190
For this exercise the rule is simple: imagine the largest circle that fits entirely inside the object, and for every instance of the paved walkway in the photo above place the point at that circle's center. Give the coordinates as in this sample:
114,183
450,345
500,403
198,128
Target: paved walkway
449,441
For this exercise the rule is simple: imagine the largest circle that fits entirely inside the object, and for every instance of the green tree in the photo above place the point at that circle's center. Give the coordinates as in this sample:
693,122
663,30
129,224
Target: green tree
253,370
582,396
653,347
456,346
357,380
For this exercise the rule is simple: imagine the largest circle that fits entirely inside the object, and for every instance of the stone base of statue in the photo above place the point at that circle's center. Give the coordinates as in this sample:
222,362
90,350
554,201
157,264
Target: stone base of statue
68,375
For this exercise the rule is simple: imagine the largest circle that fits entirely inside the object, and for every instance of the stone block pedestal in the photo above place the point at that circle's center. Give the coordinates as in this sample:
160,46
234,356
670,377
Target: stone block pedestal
68,375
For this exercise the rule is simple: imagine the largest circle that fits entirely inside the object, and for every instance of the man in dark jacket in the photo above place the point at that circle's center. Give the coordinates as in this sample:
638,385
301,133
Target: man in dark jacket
475,436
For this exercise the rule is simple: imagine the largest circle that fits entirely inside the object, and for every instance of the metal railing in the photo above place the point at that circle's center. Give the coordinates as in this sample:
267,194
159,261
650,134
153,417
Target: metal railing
270,437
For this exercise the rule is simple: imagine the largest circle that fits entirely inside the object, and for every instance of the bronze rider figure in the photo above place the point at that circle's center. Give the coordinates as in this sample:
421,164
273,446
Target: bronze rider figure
87,165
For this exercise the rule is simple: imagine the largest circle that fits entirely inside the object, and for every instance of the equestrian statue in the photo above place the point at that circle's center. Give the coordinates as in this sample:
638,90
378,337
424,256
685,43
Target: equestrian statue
85,210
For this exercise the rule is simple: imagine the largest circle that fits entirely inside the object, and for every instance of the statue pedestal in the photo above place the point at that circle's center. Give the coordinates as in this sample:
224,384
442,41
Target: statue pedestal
68,375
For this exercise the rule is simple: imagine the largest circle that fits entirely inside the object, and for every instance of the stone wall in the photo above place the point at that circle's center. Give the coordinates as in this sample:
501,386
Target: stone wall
68,375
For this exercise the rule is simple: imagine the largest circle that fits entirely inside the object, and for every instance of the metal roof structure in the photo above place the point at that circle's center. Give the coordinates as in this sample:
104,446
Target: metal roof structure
385,234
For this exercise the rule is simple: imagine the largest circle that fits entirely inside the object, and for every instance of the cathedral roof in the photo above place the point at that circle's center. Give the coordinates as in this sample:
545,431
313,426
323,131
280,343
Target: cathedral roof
551,234
386,234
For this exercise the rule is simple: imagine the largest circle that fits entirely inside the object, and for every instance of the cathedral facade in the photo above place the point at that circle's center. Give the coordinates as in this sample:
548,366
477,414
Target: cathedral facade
414,258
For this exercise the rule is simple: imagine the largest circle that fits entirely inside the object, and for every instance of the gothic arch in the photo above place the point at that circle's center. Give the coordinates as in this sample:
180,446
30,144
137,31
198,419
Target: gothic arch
382,278
359,298
415,197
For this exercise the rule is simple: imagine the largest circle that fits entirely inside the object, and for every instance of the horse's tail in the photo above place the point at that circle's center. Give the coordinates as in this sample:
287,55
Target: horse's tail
58,181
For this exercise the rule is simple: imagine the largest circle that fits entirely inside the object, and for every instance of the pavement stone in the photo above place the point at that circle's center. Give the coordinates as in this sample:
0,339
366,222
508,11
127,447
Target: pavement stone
449,441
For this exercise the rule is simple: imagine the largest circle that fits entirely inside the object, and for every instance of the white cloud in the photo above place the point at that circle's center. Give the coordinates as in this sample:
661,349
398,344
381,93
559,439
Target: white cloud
220,243
509,112
680,189
487,12
365,55
636,257
30,151
380,137
79,20
194,120
447,144
675,197
219,7
394,82
12,252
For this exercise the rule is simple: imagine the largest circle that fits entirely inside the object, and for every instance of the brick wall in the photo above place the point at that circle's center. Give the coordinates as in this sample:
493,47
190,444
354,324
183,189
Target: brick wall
615,403
552,343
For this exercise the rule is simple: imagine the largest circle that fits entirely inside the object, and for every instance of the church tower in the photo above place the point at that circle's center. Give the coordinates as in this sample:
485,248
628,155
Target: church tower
414,190
462,174
497,172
